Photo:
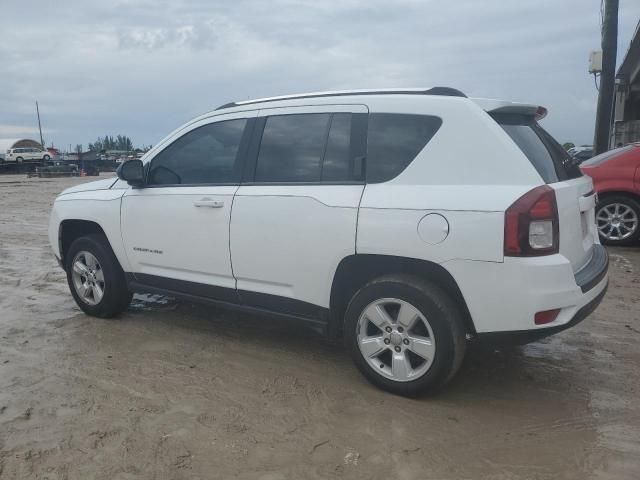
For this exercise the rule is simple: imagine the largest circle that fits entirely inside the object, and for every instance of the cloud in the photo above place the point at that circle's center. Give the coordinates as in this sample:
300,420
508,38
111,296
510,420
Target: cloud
143,67
197,37
19,131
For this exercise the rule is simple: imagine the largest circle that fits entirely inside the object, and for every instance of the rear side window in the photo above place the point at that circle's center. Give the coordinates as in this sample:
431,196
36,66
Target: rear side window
337,158
306,148
546,155
206,155
292,148
394,140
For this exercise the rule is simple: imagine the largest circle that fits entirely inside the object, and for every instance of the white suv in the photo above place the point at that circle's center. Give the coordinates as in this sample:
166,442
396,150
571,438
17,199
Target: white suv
408,222
27,154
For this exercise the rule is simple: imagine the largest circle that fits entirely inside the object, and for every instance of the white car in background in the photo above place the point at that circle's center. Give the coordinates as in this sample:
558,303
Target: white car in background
408,222
27,154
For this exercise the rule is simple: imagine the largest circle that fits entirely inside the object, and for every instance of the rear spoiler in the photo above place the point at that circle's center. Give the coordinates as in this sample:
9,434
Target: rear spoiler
498,106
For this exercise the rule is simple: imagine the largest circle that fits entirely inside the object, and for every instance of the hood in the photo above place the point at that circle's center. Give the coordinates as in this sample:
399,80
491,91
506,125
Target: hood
104,184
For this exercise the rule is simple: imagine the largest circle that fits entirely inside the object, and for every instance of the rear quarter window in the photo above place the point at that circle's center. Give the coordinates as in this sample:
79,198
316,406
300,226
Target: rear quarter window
394,140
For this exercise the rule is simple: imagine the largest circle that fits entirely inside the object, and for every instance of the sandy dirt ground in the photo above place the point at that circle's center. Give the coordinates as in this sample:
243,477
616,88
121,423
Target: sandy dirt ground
177,391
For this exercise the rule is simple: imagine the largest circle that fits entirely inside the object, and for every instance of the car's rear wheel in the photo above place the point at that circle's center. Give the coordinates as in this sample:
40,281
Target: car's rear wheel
46,158
618,220
405,335
96,280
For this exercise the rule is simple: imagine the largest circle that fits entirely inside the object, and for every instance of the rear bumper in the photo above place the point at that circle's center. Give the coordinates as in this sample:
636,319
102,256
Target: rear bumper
593,283
522,337
593,272
503,298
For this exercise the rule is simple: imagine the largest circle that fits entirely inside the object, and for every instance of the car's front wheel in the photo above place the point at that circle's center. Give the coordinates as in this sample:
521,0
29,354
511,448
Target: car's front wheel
617,218
405,335
95,277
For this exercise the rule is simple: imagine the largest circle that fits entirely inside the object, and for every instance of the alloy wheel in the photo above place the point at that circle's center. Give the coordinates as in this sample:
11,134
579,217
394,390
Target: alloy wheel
617,221
88,278
396,339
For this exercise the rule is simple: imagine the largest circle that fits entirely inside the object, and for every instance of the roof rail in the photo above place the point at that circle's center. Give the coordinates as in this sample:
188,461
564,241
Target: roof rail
445,91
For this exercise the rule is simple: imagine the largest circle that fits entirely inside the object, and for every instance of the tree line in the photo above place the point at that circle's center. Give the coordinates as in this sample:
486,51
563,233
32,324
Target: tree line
109,142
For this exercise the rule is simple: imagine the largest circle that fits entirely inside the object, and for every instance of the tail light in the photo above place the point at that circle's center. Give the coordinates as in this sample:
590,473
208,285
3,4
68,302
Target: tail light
531,224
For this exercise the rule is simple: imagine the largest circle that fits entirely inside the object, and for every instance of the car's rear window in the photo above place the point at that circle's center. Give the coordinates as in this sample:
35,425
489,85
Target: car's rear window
546,155
604,157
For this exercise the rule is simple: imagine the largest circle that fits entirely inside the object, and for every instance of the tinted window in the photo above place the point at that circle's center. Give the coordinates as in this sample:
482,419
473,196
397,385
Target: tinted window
546,155
337,164
292,148
394,140
205,155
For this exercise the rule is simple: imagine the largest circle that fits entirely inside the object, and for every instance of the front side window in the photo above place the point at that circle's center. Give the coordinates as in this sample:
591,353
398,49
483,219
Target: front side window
206,155
394,140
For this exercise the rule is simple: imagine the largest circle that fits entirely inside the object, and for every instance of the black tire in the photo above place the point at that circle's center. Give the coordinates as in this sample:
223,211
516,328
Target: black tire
116,297
19,159
627,201
46,158
434,304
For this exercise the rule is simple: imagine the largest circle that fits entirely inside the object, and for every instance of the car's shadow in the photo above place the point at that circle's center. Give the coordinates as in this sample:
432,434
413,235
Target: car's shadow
547,364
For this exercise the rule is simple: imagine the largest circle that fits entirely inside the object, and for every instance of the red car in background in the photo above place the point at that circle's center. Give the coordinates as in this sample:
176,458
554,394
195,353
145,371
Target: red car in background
616,179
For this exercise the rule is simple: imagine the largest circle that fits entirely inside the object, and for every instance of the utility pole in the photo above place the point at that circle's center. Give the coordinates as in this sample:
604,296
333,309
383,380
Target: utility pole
39,126
604,113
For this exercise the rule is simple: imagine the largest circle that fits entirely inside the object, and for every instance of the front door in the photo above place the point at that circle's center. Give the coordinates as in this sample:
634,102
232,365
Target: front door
176,228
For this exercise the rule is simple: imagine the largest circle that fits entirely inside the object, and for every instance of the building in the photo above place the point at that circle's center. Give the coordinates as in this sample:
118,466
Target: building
9,143
626,117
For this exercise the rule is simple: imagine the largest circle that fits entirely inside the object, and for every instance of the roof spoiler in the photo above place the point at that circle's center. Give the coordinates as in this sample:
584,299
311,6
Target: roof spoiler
536,111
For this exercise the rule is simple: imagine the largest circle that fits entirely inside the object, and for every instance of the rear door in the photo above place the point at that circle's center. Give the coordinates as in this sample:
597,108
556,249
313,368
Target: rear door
294,217
574,192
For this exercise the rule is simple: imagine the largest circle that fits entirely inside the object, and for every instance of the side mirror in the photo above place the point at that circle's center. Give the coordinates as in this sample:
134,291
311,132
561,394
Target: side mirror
132,172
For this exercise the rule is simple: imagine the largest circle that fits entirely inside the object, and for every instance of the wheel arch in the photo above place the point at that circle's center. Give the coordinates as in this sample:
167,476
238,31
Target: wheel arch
354,271
622,192
72,229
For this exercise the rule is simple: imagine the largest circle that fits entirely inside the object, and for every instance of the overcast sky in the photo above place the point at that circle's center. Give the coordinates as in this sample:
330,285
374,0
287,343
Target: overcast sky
143,67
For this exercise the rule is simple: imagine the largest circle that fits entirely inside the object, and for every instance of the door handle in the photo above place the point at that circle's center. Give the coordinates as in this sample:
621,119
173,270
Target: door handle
208,203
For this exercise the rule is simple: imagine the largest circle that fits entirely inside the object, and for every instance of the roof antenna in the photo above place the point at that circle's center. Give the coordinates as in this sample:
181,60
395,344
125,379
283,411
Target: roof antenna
39,126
